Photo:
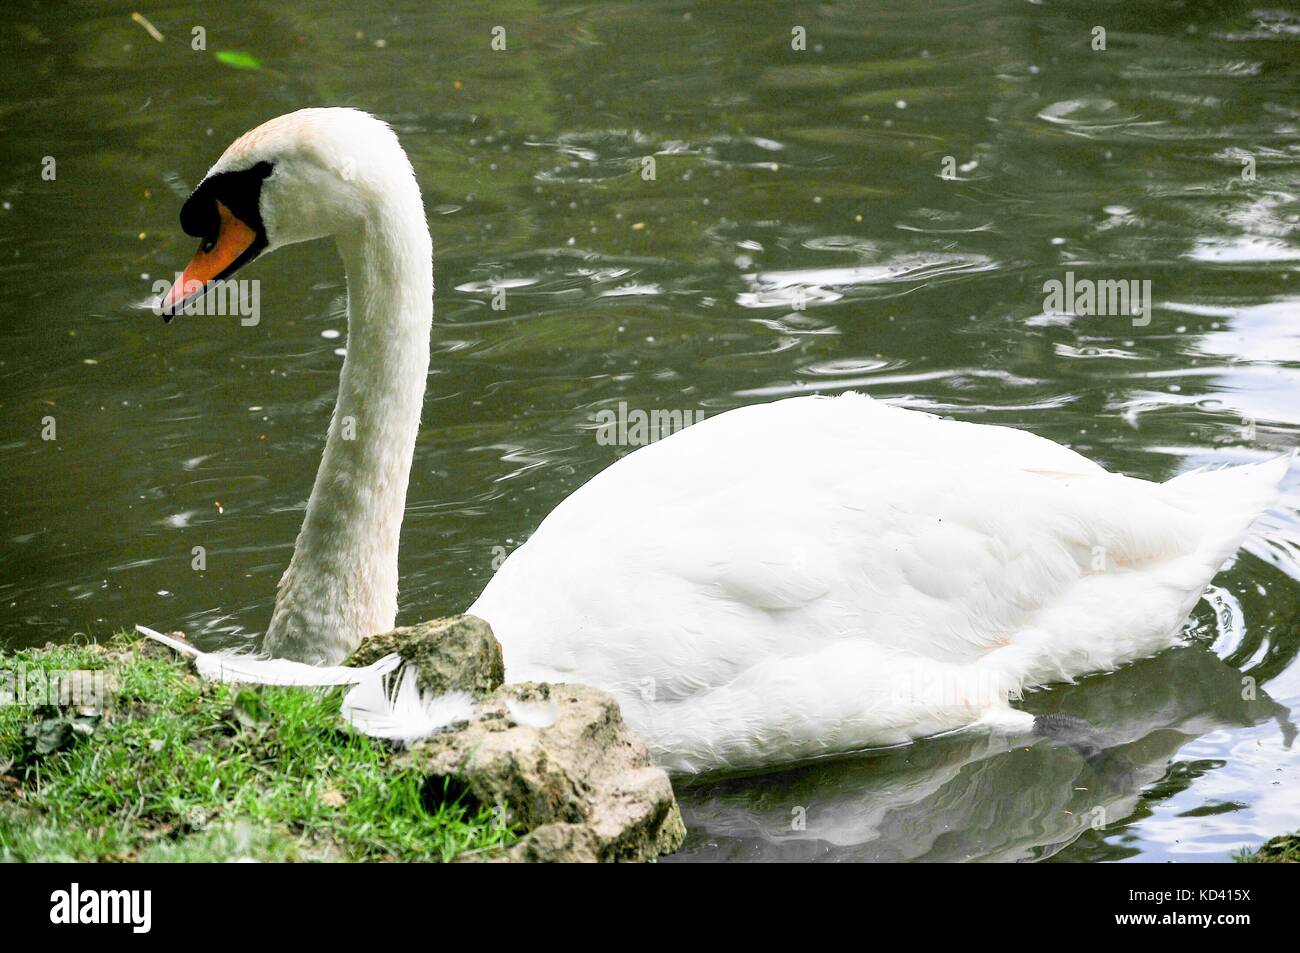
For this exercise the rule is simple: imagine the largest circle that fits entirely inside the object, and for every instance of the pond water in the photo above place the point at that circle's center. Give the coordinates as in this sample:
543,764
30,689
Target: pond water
877,211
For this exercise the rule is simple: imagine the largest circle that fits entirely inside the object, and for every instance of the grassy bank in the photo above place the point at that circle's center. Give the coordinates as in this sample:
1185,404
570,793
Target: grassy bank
1280,850
175,768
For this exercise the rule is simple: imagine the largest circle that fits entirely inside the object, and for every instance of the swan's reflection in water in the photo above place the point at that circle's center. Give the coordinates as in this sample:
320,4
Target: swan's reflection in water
973,797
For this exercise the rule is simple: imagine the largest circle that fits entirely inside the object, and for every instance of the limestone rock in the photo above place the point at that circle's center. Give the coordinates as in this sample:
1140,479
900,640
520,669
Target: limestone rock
560,762
557,759
458,653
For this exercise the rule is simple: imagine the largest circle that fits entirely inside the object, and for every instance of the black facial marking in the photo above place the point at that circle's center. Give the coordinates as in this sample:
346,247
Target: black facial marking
237,191
240,192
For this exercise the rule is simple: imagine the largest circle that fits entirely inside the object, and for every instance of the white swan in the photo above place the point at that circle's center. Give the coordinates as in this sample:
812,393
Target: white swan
779,581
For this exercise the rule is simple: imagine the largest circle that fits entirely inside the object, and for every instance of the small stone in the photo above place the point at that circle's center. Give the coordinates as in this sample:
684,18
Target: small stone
458,653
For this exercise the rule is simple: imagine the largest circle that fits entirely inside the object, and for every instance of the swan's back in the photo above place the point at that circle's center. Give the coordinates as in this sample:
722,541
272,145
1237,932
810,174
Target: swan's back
822,574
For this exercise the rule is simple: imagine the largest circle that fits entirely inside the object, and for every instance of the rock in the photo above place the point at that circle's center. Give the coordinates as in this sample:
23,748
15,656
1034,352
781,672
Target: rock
561,763
458,653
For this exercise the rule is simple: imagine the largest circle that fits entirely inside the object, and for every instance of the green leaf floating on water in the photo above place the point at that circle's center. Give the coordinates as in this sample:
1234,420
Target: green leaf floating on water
237,59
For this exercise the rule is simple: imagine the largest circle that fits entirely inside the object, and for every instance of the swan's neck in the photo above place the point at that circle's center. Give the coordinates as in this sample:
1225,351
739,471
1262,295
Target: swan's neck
341,584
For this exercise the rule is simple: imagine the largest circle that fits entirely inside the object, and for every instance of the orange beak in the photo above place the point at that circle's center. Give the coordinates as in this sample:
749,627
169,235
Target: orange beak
213,261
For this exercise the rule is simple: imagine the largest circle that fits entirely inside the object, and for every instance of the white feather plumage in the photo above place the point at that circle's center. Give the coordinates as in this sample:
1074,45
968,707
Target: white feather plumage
378,704
817,575
393,707
250,669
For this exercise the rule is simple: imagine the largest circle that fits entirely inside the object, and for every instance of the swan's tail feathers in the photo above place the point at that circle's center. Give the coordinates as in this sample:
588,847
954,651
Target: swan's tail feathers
1246,507
250,669
1275,537
393,707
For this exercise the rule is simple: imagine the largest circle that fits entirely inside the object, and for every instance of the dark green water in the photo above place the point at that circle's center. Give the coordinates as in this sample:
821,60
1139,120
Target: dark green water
782,177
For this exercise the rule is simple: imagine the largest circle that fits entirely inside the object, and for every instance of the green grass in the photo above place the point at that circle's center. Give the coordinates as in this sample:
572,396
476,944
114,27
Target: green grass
181,769
1284,849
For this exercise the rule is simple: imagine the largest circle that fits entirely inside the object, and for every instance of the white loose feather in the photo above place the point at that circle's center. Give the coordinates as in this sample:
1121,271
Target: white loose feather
250,669
394,708
533,714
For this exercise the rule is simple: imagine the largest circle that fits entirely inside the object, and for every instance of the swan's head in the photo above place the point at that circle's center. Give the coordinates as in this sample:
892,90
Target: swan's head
305,175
